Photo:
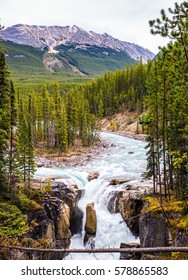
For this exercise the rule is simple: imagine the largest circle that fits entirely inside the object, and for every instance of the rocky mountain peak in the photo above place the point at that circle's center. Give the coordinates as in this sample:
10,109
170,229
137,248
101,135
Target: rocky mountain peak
74,29
41,36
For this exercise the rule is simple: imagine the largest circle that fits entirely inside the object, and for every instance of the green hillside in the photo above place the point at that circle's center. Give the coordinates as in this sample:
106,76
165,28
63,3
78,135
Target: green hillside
26,65
94,60
31,65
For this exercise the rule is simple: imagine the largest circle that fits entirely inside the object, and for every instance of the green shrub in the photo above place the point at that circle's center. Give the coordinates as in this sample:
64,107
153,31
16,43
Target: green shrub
25,203
12,221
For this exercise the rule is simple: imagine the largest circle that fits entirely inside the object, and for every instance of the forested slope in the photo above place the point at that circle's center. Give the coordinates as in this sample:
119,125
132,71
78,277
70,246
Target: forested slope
55,119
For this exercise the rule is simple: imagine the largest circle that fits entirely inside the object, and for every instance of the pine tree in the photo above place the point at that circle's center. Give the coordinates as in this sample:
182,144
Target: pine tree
13,172
140,80
152,122
63,129
56,114
72,117
36,118
167,103
174,27
30,145
4,121
45,114
25,149
100,105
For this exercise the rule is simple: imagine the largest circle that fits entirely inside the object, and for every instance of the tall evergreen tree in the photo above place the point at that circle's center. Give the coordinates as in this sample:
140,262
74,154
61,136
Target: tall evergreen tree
167,103
13,165
46,114
63,129
4,121
25,148
174,26
56,114
30,144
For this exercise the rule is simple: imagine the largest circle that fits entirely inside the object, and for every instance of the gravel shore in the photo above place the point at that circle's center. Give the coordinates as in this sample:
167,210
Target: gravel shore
77,158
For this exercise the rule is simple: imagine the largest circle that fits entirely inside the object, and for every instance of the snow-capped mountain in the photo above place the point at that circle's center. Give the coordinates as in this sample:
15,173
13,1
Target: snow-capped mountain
51,37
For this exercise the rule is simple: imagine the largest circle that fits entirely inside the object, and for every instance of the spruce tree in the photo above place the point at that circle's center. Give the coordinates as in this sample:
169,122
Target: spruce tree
167,103
63,129
174,26
13,164
45,115
4,121
172,102
25,149
56,113
30,145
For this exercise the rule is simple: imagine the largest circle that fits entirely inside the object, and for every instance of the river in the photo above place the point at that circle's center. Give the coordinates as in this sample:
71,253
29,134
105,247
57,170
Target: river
127,158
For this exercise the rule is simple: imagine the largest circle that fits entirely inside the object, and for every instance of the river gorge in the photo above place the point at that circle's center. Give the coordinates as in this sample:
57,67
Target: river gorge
126,160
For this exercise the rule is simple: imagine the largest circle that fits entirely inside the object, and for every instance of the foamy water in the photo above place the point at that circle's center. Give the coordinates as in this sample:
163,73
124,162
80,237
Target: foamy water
126,160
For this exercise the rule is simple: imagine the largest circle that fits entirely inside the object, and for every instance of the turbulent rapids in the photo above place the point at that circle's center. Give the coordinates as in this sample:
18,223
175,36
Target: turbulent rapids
126,159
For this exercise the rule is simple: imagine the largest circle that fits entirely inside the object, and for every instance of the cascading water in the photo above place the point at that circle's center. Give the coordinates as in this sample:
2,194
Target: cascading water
127,159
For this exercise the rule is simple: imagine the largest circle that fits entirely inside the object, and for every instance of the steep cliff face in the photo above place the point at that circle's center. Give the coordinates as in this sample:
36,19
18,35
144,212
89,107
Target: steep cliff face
130,208
153,231
71,195
58,218
128,202
163,226
155,226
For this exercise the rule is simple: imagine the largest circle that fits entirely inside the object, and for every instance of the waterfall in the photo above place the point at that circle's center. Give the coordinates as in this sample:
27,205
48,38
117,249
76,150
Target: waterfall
126,159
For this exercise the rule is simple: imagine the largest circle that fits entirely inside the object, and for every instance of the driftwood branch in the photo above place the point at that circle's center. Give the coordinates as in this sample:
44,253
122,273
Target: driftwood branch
99,250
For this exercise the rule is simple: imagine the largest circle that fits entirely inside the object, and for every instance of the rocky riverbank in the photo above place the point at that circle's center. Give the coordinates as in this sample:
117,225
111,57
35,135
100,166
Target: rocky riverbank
81,156
77,157
124,124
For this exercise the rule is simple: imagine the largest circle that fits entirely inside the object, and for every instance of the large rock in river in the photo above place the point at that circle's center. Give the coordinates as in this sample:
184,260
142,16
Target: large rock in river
119,181
91,219
63,222
93,175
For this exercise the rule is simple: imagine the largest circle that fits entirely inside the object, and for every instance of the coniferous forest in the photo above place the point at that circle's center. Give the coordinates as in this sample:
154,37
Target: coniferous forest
54,118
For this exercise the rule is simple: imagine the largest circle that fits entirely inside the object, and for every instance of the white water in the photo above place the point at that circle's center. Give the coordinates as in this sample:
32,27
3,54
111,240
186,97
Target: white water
126,159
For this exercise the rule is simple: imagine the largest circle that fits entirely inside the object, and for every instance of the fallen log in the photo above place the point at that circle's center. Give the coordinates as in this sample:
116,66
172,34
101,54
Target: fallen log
99,250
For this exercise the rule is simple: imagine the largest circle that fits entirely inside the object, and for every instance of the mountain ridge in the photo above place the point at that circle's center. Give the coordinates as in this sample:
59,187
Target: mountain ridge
42,36
36,54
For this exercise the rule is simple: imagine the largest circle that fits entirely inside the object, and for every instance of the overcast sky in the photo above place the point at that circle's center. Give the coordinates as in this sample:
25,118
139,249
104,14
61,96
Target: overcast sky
126,20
